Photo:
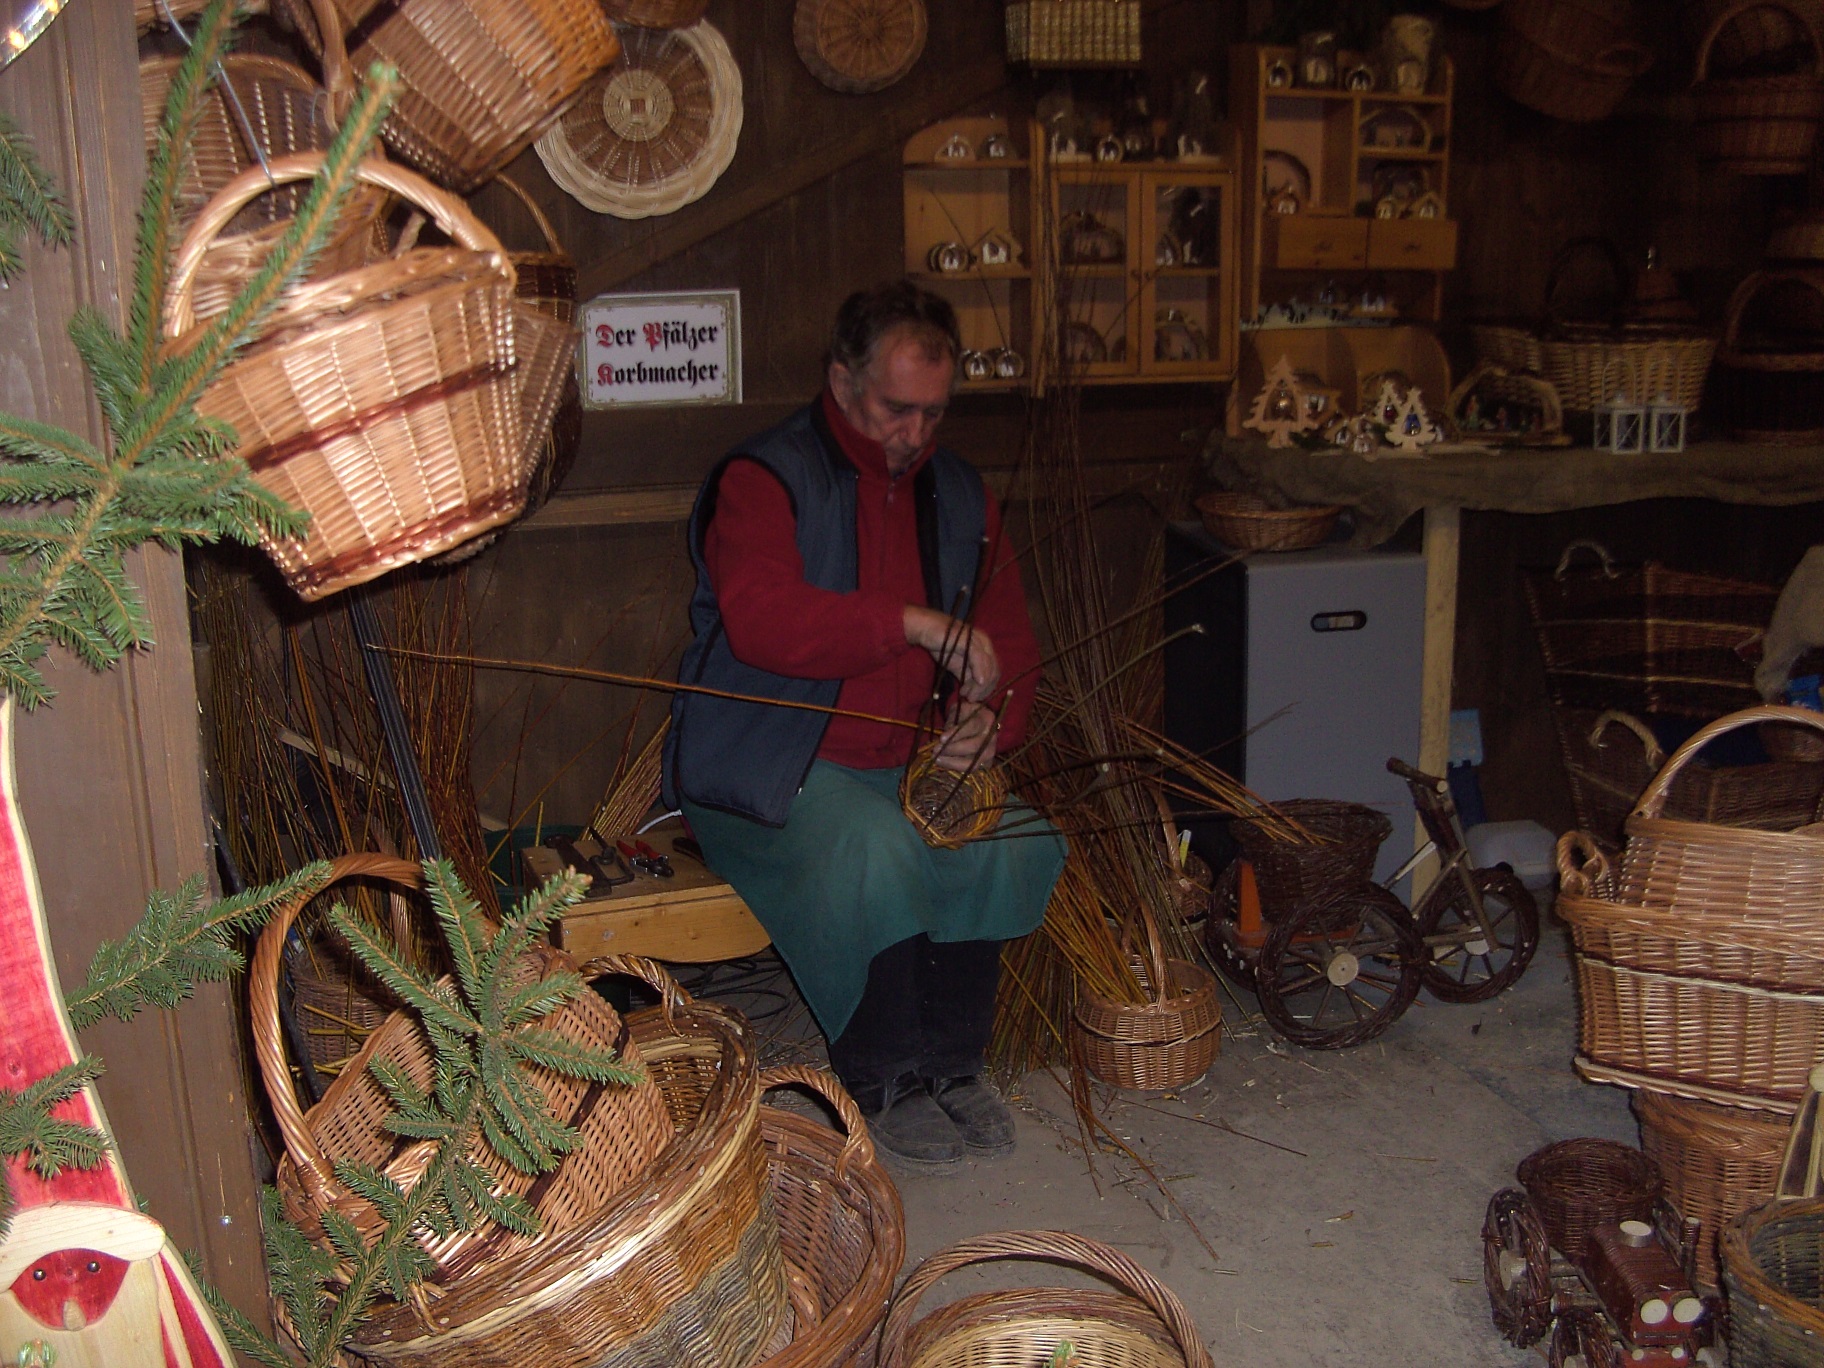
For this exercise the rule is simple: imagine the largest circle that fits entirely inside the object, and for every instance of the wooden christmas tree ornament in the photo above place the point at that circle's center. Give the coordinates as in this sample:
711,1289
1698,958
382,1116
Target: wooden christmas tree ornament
1410,426
1281,408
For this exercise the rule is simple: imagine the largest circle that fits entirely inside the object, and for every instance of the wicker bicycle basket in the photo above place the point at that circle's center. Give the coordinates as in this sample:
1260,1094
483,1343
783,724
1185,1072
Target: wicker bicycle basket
1718,1162
1342,842
680,1268
842,1230
1142,1324
1248,522
1570,59
1760,125
1578,1185
859,46
1773,1273
285,111
623,1127
383,401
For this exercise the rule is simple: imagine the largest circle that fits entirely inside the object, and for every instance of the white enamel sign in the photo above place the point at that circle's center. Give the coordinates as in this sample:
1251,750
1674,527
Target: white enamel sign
662,349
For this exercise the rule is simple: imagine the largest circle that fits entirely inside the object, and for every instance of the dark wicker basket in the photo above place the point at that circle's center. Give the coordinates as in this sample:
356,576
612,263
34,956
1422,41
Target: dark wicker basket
1773,1271
1345,838
1579,1185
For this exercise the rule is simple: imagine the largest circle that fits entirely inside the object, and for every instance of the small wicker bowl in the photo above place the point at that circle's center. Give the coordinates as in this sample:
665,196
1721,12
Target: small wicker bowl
1248,522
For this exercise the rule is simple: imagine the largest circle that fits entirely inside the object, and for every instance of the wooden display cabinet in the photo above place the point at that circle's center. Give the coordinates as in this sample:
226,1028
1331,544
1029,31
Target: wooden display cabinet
1343,152
979,204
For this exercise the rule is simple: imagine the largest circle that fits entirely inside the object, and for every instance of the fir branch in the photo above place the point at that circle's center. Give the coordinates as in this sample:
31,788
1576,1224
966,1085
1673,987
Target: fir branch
384,960
572,1058
242,1335
21,437
29,200
49,1144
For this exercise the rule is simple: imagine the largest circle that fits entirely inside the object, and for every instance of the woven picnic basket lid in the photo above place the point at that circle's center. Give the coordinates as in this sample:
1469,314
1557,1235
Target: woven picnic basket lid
858,46
656,130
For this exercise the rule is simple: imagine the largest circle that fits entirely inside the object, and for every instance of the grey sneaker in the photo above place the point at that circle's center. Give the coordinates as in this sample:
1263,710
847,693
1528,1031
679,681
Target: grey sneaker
915,1132
981,1118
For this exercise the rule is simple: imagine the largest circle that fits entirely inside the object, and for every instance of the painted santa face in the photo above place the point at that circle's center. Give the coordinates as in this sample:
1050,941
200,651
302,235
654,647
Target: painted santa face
70,1289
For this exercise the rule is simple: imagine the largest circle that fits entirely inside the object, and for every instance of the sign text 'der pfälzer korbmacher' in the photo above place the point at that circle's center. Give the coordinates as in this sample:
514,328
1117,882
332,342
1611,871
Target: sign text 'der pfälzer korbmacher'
662,349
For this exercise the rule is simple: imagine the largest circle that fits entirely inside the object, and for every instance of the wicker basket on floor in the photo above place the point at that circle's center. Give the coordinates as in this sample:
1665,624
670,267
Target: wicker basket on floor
384,400
680,1268
480,79
1165,1042
1760,125
1578,1185
1718,1162
1143,1325
1248,522
841,1227
1773,1273
1344,839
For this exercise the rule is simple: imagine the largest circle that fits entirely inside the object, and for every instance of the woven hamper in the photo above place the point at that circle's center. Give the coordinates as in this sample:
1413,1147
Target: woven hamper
1718,1162
680,1268
1141,1325
383,401
1773,1273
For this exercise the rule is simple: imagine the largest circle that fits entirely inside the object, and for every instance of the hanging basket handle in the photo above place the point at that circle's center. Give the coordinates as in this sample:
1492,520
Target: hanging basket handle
1583,870
1625,57
263,1013
447,211
1050,1246
1602,553
338,70
672,997
827,1086
1700,69
1561,262
552,245
1653,801
1656,753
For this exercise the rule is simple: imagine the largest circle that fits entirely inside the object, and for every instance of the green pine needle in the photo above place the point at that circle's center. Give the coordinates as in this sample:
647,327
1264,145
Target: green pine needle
29,201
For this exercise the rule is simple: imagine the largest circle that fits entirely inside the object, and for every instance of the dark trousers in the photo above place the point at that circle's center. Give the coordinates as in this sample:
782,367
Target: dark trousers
927,1011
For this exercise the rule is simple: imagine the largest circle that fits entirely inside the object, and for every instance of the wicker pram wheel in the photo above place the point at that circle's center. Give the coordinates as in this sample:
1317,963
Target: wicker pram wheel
656,130
859,46
1517,1267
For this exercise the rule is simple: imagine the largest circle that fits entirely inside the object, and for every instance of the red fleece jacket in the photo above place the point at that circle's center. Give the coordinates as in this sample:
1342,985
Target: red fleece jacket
777,622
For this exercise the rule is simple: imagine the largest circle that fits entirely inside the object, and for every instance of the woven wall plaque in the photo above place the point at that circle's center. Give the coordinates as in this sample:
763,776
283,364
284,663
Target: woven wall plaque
859,46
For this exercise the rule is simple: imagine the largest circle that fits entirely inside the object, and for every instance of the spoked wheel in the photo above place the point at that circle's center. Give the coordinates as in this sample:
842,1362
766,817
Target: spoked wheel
1517,1268
1338,972
1577,1341
1471,960
1219,928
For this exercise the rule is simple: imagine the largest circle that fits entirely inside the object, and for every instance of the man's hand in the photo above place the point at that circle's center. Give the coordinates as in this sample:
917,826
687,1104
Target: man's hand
957,647
969,743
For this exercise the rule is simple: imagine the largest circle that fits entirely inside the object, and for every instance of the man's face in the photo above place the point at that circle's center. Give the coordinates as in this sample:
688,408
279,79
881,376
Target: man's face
899,399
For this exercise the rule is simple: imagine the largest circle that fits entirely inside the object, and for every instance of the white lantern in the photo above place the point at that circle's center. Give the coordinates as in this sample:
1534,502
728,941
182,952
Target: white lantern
1666,425
1620,425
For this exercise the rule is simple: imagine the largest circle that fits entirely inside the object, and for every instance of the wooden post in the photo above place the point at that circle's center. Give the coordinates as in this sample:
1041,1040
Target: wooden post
1442,529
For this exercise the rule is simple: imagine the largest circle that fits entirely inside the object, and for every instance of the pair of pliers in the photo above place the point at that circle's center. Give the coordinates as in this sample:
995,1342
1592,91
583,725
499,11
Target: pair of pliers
605,871
644,858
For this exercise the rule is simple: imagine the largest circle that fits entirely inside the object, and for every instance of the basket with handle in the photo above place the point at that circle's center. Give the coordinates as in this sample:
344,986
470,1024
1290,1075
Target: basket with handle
479,79
1760,125
842,1230
1570,59
1772,388
1142,1324
680,1268
1168,1038
383,400
623,1127
286,111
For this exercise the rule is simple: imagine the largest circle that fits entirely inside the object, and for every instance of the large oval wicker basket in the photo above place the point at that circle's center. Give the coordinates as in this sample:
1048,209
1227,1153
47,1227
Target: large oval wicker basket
1760,125
859,46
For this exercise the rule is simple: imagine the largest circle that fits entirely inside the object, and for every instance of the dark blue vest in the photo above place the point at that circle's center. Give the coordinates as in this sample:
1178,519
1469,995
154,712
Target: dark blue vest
751,758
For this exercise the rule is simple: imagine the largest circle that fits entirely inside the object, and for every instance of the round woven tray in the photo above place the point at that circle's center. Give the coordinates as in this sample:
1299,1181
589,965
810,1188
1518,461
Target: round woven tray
1718,1162
1344,840
1248,522
859,46
1578,1185
655,131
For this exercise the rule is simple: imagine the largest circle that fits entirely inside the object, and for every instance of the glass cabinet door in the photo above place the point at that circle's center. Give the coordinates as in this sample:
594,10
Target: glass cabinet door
1189,270
1098,272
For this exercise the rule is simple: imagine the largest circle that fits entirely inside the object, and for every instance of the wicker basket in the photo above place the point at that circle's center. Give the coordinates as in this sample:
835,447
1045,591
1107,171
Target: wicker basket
1143,1325
657,14
622,1128
841,1228
336,1008
678,1269
1074,33
1166,1042
1771,393
151,14
859,46
1248,522
1759,125
480,79
1344,840
1570,59
1579,1185
384,400
1773,1273
286,112
1717,1161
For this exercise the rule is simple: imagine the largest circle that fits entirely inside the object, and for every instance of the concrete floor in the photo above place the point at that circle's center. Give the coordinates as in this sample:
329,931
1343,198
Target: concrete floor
1345,1218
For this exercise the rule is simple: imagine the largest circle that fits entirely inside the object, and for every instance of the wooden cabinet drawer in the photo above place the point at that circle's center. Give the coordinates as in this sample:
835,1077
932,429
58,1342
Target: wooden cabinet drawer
1314,242
1412,244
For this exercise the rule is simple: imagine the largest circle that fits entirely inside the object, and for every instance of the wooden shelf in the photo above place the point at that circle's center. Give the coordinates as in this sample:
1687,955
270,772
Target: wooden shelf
971,164
1400,154
975,273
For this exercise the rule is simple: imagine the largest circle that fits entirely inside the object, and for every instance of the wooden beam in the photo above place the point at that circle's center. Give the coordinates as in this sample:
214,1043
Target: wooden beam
715,214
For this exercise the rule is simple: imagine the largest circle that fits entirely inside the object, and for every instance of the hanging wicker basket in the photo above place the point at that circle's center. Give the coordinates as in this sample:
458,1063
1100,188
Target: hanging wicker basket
1760,125
1074,33
479,79
1771,388
1570,59
859,46
286,111
655,132
384,400
1142,1325
658,14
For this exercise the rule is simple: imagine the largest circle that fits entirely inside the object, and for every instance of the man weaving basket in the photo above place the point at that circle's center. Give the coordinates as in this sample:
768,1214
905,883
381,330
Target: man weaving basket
837,556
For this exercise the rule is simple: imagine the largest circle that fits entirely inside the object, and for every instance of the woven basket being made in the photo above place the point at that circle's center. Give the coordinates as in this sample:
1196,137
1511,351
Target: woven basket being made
1760,125
859,46
1773,1274
1578,1185
656,131
1718,1162
1248,522
1166,1042
286,111
950,809
1142,1325
680,1268
842,1230
479,79
623,1127
1344,839
383,401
